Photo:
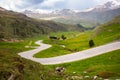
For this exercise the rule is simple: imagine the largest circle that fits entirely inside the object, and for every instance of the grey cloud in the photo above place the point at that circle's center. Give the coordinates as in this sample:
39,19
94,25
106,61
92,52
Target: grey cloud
29,3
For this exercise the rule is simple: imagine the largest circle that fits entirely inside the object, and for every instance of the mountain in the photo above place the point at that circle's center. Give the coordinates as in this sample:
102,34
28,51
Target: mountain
89,18
66,16
102,13
109,5
109,31
100,16
17,25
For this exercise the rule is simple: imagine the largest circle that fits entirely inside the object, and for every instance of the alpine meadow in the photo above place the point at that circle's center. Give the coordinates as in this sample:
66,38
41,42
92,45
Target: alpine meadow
60,40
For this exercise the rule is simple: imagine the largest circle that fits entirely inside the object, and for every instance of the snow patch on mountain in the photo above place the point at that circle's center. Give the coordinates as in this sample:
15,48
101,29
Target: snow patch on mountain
109,5
38,11
87,10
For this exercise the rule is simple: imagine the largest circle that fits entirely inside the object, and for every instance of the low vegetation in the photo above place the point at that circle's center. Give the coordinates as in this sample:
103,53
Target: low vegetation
14,67
104,66
108,32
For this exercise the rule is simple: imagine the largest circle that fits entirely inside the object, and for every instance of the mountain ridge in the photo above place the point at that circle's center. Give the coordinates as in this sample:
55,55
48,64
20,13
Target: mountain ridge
17,25
111,8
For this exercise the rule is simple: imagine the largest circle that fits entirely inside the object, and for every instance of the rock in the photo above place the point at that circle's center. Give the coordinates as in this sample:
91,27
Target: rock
59,70
26,46
95,77
62,46
74,72
86,76
77,77
4,40
85,72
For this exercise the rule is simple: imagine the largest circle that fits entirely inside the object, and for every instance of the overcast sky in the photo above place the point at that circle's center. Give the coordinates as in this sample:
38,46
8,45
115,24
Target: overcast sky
20,5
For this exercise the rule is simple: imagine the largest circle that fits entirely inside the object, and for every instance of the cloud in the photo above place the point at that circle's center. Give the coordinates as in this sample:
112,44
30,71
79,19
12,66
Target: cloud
20,5
69,4
28,3
80,4
49,4
101,1
17,5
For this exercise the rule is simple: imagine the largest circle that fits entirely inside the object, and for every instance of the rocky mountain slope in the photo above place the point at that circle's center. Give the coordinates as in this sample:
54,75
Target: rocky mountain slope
13,25
102,13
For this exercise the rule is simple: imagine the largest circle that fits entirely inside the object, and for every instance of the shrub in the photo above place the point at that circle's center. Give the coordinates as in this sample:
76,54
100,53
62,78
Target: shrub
91,43
63,37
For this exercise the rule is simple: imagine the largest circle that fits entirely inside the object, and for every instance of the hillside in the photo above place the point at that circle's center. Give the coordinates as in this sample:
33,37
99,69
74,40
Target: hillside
100,16
103,34
17,25
109,31
76,20
13,67
106,66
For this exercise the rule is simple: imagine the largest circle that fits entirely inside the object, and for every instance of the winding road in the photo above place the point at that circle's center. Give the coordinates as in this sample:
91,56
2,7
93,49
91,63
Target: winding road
69,57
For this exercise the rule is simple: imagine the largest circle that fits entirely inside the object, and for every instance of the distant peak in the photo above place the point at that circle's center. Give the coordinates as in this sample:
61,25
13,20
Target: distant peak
110,5
40,11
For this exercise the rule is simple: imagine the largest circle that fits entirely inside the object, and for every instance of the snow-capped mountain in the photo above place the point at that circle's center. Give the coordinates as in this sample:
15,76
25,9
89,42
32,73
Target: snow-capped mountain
47,14
65,11
55,12
100,13
39,11
114,4
110,5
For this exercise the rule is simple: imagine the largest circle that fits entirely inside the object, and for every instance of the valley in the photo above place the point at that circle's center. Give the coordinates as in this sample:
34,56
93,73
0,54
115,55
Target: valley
63,44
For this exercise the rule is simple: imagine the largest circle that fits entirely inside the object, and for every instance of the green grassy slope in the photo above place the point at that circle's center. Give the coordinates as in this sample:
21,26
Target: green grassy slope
103,34
21,69
106,66
108,32
75,42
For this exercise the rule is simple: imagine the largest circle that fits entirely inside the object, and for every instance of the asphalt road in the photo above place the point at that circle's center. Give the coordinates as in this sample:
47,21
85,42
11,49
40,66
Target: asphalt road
69,57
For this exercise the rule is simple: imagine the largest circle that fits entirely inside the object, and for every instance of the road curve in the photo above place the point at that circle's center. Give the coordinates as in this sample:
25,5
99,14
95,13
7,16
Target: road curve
69,57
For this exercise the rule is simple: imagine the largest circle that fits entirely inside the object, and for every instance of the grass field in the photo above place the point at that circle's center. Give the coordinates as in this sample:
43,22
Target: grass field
105,66
80,41
74,42
21,69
